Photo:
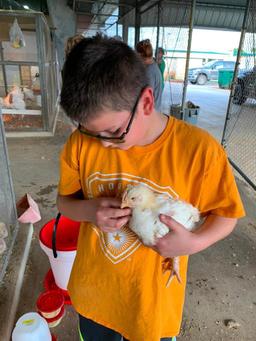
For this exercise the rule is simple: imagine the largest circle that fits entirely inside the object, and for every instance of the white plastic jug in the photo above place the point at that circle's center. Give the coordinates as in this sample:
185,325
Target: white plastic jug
31,327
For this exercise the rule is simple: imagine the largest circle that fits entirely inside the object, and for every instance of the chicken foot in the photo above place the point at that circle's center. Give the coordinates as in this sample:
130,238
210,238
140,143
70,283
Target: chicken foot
172,265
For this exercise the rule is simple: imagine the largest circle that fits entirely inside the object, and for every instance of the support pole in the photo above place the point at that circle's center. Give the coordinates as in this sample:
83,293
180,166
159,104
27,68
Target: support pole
40,41
125,32
158,26
191,24
3,69
241,43
137,23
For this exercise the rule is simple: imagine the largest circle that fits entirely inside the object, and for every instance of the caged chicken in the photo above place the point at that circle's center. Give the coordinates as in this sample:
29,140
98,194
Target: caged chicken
146,207
14,99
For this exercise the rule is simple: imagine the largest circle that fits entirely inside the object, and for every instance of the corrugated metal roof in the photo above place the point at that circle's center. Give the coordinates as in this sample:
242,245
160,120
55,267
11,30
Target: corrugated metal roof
174,13
217,14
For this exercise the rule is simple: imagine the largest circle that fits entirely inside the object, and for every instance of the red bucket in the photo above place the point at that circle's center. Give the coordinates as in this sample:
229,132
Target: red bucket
58,239
66,235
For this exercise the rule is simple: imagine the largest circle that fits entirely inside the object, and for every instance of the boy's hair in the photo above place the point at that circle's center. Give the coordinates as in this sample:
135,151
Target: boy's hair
144,48
101,73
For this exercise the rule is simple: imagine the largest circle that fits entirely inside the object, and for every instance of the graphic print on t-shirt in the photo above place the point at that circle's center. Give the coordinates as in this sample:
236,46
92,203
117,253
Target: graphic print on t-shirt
120,244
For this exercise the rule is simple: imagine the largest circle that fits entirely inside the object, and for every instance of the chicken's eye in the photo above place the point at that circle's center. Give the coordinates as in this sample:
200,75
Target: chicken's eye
133,198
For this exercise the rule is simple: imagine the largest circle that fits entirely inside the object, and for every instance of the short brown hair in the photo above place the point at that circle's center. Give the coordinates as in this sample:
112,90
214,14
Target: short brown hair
101,73
144,48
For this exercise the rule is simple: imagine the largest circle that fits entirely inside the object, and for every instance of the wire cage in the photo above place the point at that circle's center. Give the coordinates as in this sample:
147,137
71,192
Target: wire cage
8,215
240,126
29,75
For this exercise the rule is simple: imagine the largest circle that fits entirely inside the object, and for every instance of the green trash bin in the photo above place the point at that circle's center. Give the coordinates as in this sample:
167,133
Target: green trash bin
225,78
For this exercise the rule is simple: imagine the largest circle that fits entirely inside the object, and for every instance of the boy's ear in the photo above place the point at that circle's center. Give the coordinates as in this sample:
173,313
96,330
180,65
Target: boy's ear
148,102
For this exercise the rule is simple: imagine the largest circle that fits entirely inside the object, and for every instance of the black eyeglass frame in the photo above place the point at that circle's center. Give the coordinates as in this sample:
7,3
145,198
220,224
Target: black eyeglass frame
117,139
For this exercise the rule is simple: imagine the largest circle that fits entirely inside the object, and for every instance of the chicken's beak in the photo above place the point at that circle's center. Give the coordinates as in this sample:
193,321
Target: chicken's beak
124,200
124,204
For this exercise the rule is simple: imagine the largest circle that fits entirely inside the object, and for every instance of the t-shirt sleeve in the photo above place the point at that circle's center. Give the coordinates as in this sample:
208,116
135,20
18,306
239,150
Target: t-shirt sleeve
219,193
69,182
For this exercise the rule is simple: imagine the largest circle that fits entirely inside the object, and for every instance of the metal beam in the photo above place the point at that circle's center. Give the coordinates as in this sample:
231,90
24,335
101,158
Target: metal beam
100,23
151,6
118,4
98,14
40,43
137,23
10,62
158,26
3,69
242,174
191,24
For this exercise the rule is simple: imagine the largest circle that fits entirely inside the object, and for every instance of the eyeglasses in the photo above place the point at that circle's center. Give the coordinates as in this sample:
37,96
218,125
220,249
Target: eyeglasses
115,139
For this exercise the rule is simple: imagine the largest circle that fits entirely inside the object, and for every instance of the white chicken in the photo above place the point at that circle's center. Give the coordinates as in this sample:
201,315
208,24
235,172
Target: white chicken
146,207
14,99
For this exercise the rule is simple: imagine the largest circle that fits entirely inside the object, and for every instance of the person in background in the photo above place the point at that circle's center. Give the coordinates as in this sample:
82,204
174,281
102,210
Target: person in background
161,63
145,50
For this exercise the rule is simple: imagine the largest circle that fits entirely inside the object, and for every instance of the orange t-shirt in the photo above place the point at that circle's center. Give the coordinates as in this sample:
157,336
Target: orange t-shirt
115,280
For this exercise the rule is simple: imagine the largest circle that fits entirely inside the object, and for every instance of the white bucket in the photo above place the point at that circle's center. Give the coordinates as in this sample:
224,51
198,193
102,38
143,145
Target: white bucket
61,266
31,327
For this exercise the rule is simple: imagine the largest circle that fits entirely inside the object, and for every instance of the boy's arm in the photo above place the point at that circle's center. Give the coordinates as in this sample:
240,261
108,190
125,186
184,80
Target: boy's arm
73,206
105,213
179,241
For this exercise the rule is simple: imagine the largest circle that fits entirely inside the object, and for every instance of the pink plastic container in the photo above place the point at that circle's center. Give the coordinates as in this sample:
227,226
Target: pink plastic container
28,211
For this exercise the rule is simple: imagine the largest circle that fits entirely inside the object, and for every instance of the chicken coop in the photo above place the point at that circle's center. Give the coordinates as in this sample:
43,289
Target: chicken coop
29,75
8,215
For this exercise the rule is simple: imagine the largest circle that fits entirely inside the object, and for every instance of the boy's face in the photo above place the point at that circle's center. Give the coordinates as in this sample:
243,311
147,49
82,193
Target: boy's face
133,125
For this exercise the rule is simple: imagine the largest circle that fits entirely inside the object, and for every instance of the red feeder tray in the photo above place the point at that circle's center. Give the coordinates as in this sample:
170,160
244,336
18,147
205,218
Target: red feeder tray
50,303
49,284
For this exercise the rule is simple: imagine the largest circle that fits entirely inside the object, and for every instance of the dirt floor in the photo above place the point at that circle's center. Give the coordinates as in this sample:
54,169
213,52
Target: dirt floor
221,294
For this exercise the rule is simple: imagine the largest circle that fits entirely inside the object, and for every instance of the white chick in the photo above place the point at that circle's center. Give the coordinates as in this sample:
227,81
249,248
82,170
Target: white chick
146,207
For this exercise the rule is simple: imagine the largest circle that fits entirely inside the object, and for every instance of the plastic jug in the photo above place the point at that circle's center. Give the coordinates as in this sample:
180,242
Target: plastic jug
31,327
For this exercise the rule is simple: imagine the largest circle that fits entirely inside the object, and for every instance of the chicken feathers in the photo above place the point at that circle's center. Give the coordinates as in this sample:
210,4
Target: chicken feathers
146,207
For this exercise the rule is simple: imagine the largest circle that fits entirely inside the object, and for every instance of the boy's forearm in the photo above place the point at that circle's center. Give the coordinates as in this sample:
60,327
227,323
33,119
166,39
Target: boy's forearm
73,207
214,229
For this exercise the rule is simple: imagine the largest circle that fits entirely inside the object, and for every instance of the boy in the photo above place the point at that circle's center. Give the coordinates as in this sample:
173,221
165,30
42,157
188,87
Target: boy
117,284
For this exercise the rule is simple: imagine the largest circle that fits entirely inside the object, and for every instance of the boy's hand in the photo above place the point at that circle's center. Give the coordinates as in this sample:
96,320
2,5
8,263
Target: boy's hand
106,214
177,242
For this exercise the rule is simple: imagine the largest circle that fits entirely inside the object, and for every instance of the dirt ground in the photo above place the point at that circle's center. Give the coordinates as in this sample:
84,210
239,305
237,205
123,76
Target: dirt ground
221,281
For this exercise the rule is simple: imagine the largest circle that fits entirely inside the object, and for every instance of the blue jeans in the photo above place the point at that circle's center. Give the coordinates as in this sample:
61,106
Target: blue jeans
92,331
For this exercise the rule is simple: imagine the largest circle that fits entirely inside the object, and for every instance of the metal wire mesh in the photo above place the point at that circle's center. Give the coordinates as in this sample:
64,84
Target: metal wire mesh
7,201
240,133
173,38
